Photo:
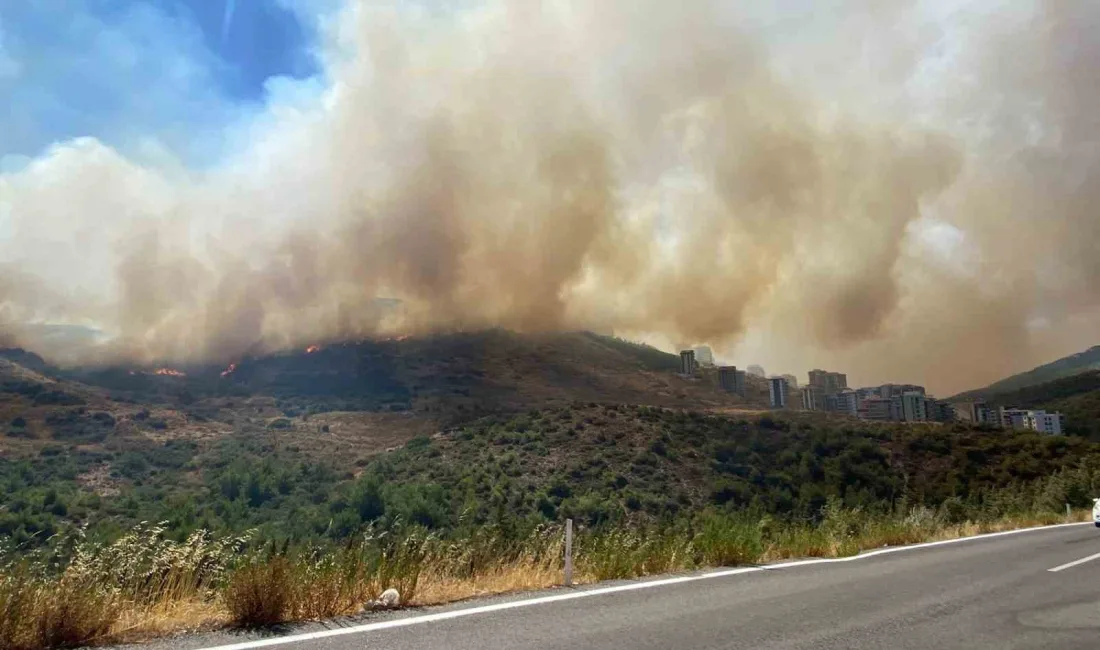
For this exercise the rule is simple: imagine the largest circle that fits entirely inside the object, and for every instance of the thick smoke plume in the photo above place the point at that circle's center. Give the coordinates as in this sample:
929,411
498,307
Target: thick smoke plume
902,192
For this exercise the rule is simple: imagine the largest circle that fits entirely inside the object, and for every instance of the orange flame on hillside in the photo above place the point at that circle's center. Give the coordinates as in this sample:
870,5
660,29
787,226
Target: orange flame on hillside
229,371
313,348
168,372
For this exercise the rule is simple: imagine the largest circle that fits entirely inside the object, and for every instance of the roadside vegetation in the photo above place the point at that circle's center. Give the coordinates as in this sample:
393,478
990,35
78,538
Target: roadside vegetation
257,531
143,584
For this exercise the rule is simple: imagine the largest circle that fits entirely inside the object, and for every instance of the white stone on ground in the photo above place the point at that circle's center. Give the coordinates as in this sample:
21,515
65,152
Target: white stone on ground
388,598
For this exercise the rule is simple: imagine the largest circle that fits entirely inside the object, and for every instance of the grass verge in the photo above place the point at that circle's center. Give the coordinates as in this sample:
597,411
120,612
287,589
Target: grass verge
142,586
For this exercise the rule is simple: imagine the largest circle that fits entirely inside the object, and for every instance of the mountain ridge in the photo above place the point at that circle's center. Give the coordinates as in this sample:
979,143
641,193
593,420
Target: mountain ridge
1067,366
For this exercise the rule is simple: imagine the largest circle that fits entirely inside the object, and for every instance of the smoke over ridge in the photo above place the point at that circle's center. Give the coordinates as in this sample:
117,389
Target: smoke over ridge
905,192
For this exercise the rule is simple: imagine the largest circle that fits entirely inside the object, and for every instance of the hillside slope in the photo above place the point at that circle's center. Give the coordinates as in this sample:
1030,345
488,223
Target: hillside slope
455,430
1064,367
340,402
490,370
595,463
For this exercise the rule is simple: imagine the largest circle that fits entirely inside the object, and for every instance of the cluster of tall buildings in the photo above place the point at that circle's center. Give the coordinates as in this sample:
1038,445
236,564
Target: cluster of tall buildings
829,391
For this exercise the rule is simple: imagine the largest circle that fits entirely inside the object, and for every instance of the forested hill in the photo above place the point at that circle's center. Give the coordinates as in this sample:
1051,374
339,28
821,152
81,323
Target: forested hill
600,464
1064,367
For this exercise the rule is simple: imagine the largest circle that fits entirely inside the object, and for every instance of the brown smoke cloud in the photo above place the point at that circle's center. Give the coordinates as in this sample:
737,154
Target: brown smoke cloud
902,194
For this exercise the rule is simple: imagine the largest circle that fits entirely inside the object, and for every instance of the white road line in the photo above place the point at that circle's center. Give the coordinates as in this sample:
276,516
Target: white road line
572,595
1070,565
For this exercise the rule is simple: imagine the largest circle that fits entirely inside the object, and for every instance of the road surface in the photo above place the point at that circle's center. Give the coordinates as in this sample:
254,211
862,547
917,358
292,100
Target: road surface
1035,589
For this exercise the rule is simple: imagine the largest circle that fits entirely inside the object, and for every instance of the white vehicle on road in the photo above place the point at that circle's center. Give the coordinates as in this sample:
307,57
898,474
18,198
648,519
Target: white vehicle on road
1096,512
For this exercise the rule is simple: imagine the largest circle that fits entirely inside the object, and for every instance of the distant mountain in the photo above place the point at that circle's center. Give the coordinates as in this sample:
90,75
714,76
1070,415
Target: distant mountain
1074,364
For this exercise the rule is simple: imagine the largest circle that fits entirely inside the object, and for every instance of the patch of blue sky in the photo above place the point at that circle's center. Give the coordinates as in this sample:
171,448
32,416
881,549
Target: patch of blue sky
127,71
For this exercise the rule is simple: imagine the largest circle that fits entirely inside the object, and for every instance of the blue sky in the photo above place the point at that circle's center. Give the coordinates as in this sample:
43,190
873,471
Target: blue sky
127,70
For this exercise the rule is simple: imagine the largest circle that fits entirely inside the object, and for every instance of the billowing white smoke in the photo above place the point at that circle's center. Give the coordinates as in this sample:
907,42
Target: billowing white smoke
903,191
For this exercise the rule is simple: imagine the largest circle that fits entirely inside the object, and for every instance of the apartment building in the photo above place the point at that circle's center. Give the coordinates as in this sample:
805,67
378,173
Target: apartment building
779,392
687,363
877,409
1029,420
731,379
830,382
704,356
847,402
813,399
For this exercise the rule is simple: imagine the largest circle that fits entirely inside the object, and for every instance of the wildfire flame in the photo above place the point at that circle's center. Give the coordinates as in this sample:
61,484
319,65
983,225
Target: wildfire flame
229,371
313,348
168,372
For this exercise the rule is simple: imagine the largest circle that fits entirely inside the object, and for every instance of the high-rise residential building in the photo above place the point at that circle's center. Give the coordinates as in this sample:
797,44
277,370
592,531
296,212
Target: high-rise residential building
993,416
941,411
908,407
847,402
877,408
868,393
890,391
778,392
756,370
731,379
813,399
704,356
914,407
1044,422
978,413
830,382
792,381
1014,419
1029,420
965,411
687,363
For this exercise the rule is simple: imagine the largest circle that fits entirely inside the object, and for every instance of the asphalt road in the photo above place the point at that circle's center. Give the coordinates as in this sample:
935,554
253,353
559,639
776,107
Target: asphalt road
995,592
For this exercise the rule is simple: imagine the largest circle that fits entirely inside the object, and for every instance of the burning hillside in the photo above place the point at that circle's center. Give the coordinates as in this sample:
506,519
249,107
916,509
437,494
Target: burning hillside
458,373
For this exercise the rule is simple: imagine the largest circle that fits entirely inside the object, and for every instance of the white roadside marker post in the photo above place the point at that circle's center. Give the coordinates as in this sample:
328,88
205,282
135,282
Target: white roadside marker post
568,552
1069,513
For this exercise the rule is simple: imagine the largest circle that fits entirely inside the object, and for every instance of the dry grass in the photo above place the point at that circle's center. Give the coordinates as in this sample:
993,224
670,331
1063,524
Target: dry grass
439,588
40,613
139,622
143,586
261,594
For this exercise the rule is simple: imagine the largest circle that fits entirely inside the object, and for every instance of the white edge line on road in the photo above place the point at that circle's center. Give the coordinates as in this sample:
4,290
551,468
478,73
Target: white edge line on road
600,591
1070,565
